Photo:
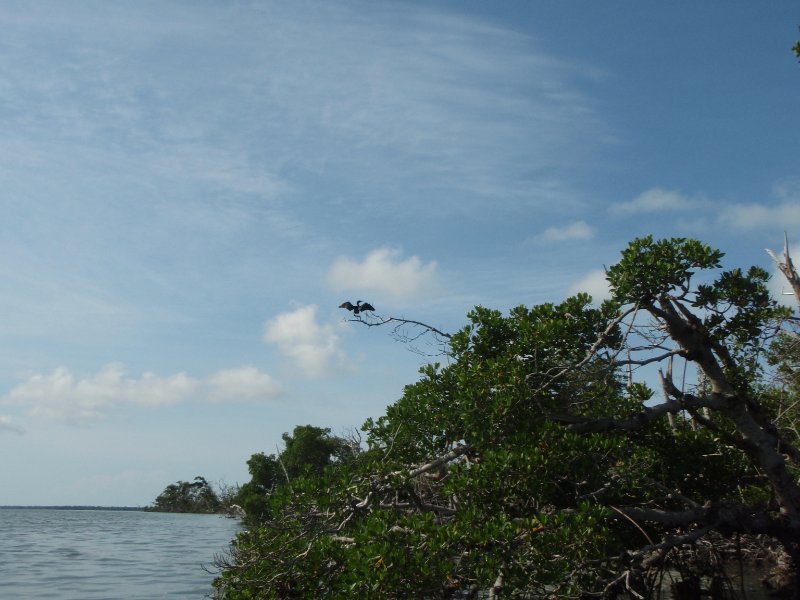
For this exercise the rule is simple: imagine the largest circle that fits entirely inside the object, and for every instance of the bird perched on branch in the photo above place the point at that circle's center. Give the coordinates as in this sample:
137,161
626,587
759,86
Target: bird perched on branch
358,307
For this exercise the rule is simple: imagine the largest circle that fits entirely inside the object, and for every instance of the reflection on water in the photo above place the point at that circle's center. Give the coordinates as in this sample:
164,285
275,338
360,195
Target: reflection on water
93,555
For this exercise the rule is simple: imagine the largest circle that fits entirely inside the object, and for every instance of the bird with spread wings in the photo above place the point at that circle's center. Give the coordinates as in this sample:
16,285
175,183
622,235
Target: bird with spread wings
358,307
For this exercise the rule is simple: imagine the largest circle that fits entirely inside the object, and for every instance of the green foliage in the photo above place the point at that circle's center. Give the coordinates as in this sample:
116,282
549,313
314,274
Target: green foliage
309,448
649,269
521,460
264,476
187,497
785,355
307,451
781,399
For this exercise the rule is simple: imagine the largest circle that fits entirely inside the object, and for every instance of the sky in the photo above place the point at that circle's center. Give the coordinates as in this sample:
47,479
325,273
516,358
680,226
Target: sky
190,189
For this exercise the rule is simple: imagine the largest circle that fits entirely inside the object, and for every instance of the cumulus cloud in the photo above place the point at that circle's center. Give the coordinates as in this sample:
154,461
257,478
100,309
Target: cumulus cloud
593,283
654,200
384,272
6,424
61,395
579,230
315,348
242,382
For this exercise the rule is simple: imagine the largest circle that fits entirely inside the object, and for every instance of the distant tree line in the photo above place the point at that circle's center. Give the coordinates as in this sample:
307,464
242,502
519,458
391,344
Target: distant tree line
308,451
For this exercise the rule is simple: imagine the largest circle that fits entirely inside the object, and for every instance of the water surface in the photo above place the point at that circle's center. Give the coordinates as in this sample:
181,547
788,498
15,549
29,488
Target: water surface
106,555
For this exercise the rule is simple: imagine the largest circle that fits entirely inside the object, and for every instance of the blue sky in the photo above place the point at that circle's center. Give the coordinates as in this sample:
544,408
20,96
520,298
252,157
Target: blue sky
190,189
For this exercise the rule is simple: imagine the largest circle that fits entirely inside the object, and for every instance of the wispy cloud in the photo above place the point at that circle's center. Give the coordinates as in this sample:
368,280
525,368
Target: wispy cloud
702,213
315,348
782,211
425,98
63,396
655,200
756,216
578,230
179,137
384,272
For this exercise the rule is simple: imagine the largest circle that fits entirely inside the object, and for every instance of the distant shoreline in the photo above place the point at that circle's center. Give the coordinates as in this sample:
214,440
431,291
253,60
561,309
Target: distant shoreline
70,507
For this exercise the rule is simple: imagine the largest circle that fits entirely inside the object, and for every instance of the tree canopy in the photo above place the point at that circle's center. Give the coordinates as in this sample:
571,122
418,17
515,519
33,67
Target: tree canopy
183,496
562,450
308,450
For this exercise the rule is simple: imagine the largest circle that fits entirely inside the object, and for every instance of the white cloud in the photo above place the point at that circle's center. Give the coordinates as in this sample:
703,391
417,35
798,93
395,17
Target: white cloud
593,283
242,382
752,216
6,424
383,272
314,347
782,213
152,390
60,395
654,200
579,230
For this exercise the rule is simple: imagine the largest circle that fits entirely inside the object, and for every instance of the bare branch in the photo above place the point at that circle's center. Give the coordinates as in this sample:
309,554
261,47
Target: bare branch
695,344
736,517
497,587
401,321
283,467
672,518
637,421
343,539
424,506
673,493
660,550
442,460
787,267
652,359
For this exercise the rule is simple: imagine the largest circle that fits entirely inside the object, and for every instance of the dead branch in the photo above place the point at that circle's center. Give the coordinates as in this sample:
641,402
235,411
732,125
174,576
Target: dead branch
646,361
400,321
639,420
787,267
444,459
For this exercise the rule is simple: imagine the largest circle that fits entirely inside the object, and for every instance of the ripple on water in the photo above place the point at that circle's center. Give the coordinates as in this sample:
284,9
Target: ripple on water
96,555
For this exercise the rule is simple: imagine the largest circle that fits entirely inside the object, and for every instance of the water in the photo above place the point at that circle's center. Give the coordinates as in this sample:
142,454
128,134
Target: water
109,555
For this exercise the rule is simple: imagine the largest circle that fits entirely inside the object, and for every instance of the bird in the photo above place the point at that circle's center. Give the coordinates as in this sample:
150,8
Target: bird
364,306
358,307
349,306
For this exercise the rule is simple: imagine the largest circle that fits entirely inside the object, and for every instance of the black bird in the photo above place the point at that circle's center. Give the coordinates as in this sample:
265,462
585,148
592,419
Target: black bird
350,306
358,307
364,306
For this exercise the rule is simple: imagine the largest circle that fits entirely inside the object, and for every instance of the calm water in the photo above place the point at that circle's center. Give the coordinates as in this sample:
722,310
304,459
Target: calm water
108,555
